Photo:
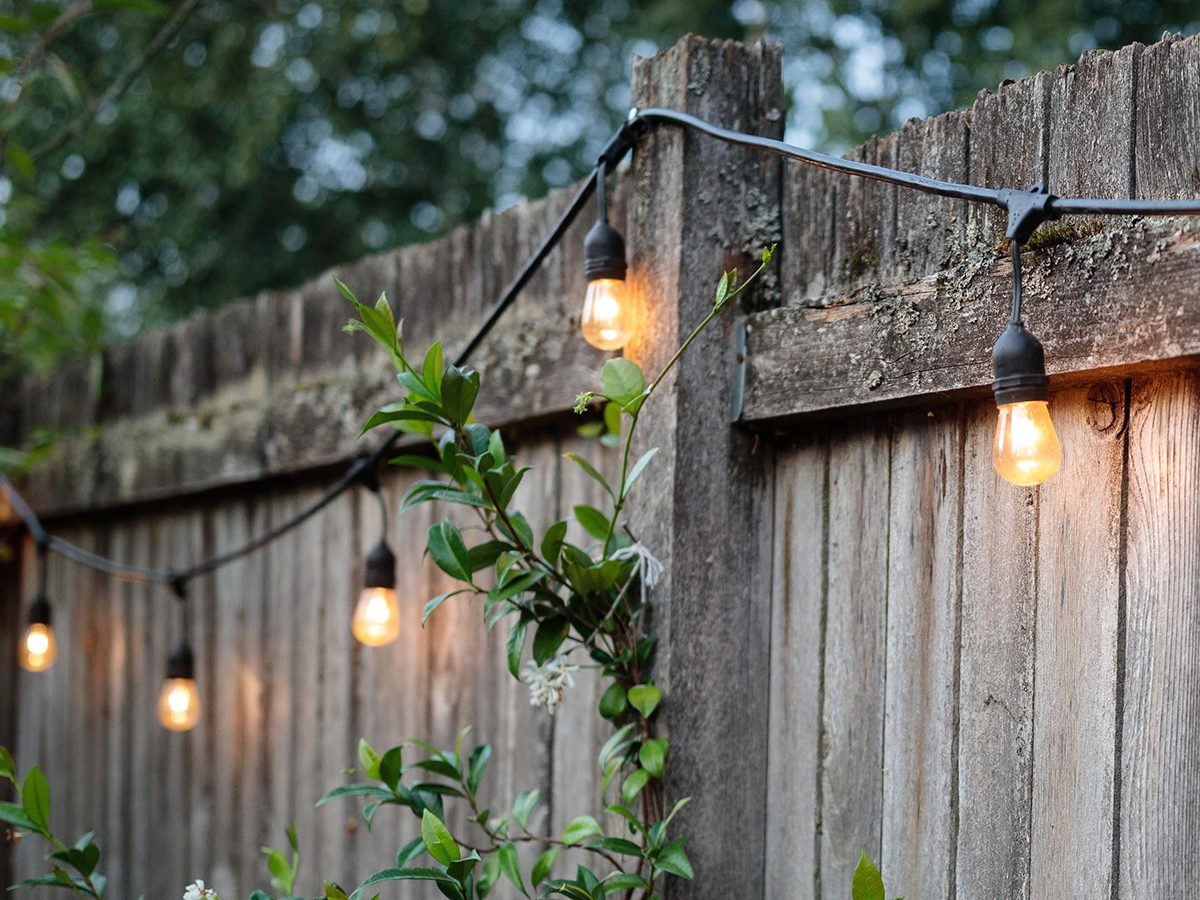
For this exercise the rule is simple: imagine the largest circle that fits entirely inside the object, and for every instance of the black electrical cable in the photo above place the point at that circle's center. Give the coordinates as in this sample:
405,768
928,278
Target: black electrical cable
636,127
996,197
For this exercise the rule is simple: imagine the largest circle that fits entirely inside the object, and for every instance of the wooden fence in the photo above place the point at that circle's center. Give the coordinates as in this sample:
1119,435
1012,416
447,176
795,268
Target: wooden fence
868,640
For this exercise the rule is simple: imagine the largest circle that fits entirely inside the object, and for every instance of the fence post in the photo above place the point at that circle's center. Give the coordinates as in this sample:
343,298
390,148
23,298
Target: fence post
698,206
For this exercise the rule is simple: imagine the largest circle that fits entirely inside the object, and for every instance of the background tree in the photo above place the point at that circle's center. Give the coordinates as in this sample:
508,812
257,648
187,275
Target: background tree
264,142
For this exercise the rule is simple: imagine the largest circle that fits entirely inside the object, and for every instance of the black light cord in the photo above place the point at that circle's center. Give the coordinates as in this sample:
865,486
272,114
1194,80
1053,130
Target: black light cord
1027,209
1016,267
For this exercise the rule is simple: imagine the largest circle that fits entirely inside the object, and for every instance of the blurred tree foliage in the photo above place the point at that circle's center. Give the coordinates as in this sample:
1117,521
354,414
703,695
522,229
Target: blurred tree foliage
270,140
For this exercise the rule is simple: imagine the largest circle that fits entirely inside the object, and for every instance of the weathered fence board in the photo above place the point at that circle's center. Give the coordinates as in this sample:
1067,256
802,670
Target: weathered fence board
1158,707
924,572
1078,566
995,733
798,608
855,653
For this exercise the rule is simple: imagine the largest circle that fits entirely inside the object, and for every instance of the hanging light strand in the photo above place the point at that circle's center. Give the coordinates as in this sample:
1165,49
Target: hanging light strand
1026,210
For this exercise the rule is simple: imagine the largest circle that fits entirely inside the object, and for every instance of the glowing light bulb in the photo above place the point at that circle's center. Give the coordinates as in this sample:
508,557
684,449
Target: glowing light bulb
38,647
179,704
377,617
608,315
1026,451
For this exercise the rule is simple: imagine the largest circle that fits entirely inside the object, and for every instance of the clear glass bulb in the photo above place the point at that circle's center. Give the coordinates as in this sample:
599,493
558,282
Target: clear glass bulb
608,314
179,704
38,648
377,617
1026,451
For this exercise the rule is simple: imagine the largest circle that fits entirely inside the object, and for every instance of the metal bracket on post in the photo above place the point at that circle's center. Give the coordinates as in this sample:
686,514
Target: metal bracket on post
1027,210
737,393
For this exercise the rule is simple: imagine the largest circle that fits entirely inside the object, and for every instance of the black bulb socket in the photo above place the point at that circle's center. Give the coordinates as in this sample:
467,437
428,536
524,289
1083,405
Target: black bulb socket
604,253
381,567
181,663
39,611
1020,367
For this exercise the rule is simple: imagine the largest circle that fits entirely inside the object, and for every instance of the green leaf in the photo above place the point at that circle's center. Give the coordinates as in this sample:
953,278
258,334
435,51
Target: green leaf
420,462
628,816
612,703
593,521
722,289
460,387
400,414
541,868
391,767
282,875
486,554
645,699
553,540
523,806
674,860
356,790
613,743
591,470
511,866
634,784
14,814
612,417
675,810
516,646
333,892
476,766
624,882
446,546
621,381
488,876
414,874
35,797
549,637
581,829
369,758
411,850
867,883
8,769
652,754
637,470
438,601
438,840
432,370
616,845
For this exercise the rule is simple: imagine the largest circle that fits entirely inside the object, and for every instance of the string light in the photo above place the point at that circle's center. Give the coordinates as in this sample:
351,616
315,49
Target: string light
38,647
1027,449
608,319
179,700
376,619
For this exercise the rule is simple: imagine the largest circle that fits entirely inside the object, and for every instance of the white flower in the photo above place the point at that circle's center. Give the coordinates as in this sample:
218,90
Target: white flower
197,891
548,683
648,569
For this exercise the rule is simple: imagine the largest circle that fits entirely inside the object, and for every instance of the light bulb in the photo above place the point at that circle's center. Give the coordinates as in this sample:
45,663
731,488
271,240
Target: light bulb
179,704
1026,451
377,617
608,315
38,648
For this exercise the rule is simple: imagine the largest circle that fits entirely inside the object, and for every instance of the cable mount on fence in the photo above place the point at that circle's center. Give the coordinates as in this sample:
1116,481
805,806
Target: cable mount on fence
1027,209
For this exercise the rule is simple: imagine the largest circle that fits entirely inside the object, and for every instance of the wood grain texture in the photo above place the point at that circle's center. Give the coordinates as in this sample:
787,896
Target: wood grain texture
1166,155
855,652
798,596
1159,819
919,742
1075,675
930,340
690,220
270,385
996,673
